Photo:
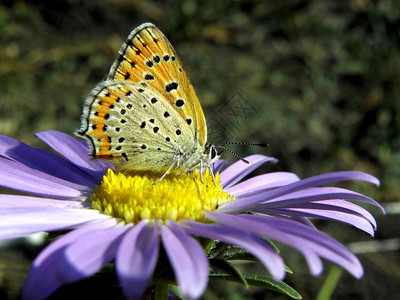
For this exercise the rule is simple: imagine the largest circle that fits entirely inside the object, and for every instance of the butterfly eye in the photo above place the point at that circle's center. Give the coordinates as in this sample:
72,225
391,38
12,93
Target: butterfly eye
213,152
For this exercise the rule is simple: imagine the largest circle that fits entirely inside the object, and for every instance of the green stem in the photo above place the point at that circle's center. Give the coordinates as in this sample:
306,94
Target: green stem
330,283
161,290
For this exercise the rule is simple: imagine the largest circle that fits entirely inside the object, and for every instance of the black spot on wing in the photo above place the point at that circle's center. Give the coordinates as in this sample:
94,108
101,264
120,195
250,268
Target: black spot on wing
180,103
171,86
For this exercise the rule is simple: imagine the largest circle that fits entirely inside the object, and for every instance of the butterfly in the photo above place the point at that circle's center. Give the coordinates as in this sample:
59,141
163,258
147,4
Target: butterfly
146,115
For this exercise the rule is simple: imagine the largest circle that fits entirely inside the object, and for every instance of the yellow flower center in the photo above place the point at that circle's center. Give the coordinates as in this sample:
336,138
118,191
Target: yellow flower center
133,197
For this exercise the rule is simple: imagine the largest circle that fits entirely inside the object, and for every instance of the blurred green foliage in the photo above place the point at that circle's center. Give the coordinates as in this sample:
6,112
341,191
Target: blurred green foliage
322,76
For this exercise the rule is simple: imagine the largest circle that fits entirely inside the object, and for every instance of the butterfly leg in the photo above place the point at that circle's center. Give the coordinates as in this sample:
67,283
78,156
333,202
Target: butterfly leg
212,173
201,171
166,172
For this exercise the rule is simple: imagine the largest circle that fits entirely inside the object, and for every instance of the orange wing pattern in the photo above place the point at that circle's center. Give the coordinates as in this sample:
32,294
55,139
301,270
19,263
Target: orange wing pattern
148,58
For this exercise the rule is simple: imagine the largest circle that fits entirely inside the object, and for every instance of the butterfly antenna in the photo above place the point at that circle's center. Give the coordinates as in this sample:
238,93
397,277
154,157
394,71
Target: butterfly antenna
265,145
231,152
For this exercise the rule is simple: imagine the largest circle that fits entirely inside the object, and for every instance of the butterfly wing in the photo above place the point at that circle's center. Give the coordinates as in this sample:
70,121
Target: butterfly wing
134,126
148,58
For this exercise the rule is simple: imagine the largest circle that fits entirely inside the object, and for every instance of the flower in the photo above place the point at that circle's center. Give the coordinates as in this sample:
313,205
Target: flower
77,193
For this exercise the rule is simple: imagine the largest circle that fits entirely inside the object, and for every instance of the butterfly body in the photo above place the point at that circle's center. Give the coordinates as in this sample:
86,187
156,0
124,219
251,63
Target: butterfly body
146,115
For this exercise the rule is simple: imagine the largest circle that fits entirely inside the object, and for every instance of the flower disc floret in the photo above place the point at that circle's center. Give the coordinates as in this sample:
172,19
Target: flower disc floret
133,197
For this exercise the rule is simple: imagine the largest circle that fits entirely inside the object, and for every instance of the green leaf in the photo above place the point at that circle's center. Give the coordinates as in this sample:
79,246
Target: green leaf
208,245
288,270
161,291
229,270
239,254
224,251
175,289
217,249
265,282
271,244
245,256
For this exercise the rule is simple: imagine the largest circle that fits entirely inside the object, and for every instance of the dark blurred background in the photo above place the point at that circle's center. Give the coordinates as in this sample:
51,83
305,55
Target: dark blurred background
317,80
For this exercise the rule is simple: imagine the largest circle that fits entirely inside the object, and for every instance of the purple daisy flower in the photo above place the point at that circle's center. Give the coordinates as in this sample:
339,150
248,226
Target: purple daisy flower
107,223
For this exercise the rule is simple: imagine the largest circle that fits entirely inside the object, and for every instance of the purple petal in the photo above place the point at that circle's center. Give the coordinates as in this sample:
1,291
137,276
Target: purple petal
240,169
72,150
16,201
316,194
313,261
187,258
17,176
42,280
43,161
219,164
137,258
16,222
335,205
261,183
232,235
303,203
309,241
301,220
243,203
325,213
354,208
246,202
88,253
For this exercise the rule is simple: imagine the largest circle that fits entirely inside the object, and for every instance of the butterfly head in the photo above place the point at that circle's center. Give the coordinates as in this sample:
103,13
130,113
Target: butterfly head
211,153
